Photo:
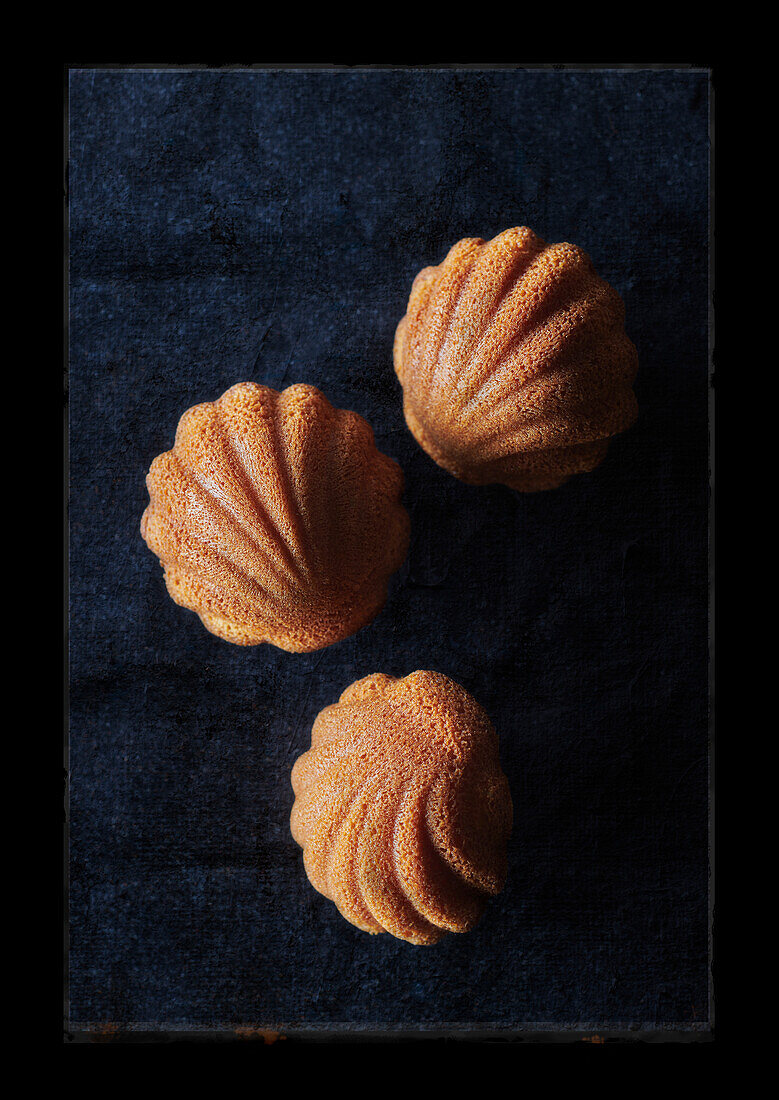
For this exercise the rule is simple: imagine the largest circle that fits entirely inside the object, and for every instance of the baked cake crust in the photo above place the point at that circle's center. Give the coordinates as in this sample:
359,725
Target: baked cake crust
514,362
401,807
275,518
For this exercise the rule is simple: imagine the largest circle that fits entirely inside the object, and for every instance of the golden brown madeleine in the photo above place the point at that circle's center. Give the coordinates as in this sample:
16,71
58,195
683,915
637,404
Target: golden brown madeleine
401,807
276,519
514,362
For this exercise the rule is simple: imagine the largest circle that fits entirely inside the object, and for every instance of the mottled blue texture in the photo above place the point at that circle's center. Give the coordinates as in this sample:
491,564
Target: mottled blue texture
267,225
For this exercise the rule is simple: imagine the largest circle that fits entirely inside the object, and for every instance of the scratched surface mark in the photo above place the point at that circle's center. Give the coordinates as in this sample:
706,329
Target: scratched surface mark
267,226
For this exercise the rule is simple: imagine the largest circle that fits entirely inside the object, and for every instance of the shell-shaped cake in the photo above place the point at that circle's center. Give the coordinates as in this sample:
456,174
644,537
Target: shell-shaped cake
401,807
514,362
275,518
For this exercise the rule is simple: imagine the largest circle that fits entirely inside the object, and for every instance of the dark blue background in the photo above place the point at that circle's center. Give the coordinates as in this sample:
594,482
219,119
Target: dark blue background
267,225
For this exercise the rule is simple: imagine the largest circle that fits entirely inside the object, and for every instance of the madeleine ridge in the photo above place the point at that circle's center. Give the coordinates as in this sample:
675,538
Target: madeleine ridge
514,362
276,519
401,807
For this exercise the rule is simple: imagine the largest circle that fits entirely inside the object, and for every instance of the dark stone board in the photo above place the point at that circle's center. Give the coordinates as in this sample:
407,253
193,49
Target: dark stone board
267,225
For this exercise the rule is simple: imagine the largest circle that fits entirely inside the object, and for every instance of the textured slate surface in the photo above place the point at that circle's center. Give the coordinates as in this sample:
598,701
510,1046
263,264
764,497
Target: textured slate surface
234,225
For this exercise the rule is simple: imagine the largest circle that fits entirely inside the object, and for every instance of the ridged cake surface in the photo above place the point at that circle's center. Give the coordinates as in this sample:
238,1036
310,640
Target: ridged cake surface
276,518
401,807
514,362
